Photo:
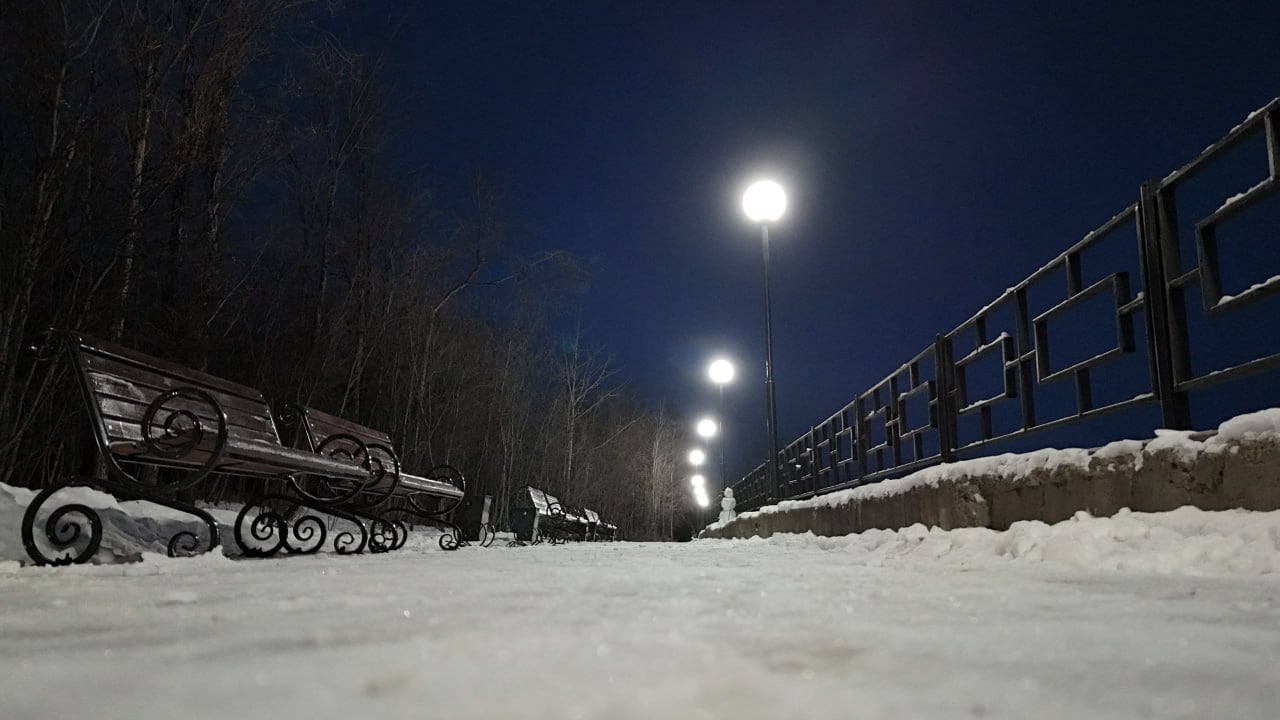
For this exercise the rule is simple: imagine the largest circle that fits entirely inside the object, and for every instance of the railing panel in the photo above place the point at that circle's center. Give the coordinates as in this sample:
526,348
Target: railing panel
1107,326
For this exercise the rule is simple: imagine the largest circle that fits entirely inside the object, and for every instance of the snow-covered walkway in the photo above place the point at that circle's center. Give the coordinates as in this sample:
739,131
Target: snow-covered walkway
1163,616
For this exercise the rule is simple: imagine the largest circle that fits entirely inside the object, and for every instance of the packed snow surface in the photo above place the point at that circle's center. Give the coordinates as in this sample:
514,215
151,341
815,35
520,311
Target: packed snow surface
1173,615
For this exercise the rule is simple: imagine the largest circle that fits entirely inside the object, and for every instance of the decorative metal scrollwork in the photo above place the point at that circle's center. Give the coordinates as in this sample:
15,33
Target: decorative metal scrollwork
267,528
346,543
171,429
444,506
384,537
487,534
340,446
65,528
183,543
384,476
306,535
453,476
451,538
186,543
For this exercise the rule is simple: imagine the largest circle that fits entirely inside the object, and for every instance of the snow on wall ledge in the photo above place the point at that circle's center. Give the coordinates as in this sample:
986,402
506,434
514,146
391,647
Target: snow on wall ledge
1236,466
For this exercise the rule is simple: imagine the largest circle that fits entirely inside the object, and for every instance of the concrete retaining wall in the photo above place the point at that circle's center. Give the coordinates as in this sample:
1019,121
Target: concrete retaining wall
1161,474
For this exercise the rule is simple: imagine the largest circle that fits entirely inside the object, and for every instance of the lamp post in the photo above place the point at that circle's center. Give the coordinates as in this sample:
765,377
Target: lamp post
721,372
764,202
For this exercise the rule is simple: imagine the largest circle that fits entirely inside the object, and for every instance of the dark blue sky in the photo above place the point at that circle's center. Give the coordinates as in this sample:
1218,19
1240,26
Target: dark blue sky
935,154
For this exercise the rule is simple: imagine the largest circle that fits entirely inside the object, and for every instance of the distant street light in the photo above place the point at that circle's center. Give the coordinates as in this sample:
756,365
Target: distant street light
721,372
707,427
699,484
697,457
765,202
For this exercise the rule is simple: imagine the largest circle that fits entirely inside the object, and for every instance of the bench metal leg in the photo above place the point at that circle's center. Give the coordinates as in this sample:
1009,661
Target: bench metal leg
77,525
64,528
487,534
187,542
272,530
451,538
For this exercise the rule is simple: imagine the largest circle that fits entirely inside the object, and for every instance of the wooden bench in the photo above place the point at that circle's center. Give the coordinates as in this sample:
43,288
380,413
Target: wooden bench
537,516
148,412
600,531
430,497
606,531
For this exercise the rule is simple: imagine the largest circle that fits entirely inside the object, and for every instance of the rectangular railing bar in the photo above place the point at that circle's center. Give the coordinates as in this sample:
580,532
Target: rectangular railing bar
1237,135
1074,274
1026,362
1235,372
1111,409
1273,144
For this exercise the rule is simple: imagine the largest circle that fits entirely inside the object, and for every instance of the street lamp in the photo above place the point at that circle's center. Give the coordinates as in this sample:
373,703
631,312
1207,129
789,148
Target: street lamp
721,372
764,202
697,457
699,484
707,428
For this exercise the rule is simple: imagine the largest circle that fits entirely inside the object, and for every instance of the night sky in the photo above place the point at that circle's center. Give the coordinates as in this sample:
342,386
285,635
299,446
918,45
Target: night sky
934,153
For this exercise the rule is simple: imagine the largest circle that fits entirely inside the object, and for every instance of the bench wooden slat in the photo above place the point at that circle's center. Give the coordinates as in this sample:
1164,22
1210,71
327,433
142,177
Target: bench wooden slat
105,352
113,382
257,457
127,431
129,414
323,425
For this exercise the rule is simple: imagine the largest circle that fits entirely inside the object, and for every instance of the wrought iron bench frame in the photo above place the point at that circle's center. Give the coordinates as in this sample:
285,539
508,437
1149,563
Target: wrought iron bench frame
145,411
556,522
442,484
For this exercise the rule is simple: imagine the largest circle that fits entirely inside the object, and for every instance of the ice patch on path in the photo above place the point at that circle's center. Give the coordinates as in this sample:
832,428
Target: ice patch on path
1187,541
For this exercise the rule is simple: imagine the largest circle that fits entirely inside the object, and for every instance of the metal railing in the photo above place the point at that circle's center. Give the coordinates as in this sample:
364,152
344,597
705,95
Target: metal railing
935,408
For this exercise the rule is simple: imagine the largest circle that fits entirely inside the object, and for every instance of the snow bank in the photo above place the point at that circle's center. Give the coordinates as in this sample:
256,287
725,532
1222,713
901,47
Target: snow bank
129,529
1013,467
134,530
1186,541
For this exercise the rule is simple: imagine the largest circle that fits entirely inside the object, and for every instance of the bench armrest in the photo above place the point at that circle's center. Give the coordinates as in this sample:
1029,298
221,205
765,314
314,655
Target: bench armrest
172,430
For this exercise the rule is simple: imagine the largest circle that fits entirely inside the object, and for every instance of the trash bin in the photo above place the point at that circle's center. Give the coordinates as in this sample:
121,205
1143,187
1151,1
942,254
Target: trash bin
524,522
472,515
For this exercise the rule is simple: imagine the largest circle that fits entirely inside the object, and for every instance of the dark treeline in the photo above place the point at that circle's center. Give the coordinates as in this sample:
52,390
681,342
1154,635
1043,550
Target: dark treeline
214,183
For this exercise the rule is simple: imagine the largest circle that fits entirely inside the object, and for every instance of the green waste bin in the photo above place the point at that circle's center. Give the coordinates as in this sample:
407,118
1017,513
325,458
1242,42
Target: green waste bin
523,520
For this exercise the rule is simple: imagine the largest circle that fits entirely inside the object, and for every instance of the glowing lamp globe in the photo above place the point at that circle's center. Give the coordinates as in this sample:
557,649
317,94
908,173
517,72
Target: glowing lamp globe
764,201
721,371
698,481
697,457
707,427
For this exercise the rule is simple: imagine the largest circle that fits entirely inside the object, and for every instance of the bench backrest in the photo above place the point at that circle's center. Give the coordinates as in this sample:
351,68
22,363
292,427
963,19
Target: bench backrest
317,425
120,384
316,428
542,501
